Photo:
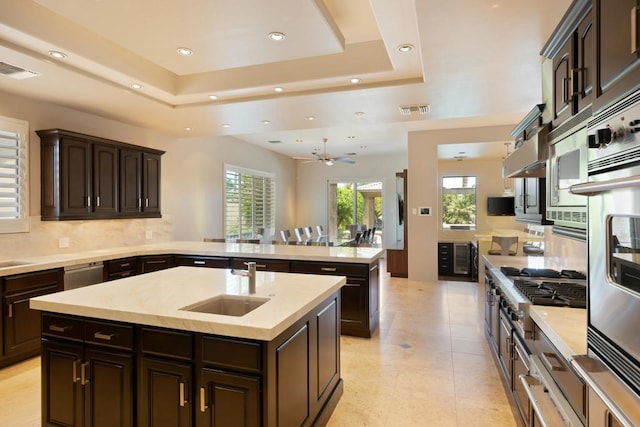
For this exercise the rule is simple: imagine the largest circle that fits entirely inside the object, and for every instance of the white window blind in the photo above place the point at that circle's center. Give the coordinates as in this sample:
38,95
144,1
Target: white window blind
14,172
249,202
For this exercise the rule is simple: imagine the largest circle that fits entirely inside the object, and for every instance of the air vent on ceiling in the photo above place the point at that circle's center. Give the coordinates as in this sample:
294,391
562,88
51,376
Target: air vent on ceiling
276,141
16,72
421,109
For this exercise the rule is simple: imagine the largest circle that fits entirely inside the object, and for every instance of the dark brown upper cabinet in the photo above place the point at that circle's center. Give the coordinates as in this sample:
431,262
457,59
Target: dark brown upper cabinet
571,49
618,50
87,177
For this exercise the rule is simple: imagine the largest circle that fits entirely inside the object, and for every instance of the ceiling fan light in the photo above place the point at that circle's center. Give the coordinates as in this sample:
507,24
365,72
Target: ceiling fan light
329,162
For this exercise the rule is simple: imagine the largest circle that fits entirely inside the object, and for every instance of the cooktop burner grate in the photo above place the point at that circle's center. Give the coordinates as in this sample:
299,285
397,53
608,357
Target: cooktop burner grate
553,293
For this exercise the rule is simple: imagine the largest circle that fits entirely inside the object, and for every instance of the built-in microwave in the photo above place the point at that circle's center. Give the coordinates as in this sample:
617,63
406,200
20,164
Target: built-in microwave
568,157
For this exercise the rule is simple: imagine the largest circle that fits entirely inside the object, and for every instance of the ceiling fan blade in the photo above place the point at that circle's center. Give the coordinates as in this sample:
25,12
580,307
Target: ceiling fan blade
348,160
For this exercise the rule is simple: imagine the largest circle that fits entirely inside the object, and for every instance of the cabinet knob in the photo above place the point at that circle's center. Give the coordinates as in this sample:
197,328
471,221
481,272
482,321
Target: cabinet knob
603,137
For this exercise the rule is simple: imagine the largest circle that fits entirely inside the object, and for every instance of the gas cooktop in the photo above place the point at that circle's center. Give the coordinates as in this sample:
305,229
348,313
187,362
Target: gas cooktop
544,286
565,294
542,272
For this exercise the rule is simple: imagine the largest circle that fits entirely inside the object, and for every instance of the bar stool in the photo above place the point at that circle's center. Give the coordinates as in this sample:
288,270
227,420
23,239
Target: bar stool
503,245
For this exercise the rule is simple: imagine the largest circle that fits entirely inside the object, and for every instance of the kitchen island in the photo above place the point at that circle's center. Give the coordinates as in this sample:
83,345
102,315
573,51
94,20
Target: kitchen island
145,350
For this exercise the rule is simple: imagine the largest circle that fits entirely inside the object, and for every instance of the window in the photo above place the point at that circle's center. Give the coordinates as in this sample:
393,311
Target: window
459,203
249,202
14,172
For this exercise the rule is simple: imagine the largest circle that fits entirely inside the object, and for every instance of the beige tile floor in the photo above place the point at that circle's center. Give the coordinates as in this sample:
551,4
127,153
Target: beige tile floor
428,365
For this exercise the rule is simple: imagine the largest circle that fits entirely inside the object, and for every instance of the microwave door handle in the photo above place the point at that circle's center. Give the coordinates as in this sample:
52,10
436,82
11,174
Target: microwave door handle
593,188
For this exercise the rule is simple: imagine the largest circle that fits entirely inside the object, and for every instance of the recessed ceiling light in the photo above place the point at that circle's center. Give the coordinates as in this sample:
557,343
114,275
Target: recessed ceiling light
265,122
404,48
136,86
276,36
187,129
355,80
278,89
184,51
213,97
57,54
311,118
226,125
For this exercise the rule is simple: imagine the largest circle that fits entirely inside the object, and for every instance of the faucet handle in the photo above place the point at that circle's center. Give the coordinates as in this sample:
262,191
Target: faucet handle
251,265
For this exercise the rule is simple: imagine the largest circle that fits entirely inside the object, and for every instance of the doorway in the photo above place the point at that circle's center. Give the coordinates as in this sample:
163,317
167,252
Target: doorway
355,207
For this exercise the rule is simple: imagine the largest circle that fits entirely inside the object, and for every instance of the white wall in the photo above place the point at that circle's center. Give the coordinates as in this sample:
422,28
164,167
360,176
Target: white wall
199,174
423,190
191,192
312,179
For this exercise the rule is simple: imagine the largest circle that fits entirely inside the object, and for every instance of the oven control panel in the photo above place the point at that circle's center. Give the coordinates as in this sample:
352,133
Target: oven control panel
614,135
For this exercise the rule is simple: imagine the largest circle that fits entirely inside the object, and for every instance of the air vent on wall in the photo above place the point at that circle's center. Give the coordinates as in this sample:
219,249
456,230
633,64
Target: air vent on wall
421,109
16,72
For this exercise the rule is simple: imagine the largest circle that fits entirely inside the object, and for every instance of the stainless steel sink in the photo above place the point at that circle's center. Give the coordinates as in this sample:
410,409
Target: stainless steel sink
227,305
12,263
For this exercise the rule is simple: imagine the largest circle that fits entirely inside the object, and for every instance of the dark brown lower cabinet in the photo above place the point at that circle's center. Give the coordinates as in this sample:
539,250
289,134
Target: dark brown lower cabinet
179,378
19,325
227,399
164,393
86,386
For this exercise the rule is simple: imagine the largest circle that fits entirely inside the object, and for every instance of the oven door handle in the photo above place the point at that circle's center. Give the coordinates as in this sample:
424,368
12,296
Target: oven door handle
593,188
540,401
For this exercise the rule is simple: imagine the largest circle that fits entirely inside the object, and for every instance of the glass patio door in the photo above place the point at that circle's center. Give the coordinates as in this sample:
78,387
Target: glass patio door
355,207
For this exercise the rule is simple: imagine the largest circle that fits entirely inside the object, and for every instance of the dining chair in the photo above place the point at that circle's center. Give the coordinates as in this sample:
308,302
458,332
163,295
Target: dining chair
285,235
299,234
503,245
308,231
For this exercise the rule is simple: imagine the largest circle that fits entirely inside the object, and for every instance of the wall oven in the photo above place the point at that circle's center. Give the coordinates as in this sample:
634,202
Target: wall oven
568,156
614,239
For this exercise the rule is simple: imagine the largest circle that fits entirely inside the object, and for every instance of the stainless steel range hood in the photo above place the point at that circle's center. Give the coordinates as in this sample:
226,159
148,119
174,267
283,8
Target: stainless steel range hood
532,150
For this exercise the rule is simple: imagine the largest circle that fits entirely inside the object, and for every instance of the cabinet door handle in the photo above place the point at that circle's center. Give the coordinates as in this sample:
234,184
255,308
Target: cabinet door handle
84,378
545,357
146,202
139,202
10,314
328,269
56,328
199,262
125,264
374,268
203,400
76,378
98,201
566,89
183,400
101,336
634,29
88,201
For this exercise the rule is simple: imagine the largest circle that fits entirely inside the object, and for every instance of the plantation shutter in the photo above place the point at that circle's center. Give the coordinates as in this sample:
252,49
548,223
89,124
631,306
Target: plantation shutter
249,202
13,176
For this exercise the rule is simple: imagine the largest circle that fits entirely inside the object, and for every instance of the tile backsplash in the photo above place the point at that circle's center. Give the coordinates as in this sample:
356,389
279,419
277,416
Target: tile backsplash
47,237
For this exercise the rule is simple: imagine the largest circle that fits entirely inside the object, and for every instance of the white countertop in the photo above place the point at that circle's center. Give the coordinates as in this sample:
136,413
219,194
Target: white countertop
566,328
263,251
156,298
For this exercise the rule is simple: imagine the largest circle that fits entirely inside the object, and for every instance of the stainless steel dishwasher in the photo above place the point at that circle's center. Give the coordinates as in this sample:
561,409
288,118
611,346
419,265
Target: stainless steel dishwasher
77,276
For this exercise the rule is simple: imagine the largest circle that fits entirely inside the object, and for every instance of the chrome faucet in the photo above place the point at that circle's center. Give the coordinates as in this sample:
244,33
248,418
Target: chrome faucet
250,272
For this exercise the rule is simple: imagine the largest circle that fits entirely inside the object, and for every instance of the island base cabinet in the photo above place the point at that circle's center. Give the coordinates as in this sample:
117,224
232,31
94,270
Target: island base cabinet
227,399
86,387
164,393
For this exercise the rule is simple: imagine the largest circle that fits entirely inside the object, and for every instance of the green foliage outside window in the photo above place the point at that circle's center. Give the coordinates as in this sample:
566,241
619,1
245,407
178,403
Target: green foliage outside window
459,208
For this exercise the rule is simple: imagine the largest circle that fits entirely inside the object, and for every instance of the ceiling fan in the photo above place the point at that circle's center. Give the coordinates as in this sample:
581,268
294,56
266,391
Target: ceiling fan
326,158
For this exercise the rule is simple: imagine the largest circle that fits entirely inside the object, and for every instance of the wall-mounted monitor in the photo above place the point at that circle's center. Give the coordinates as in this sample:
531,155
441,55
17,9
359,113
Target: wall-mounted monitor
500,206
